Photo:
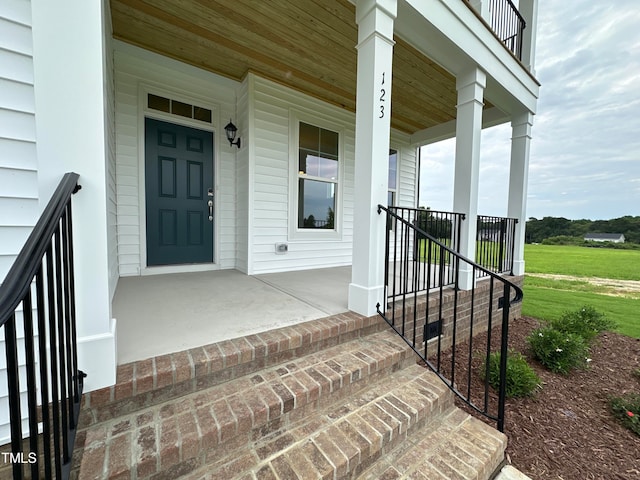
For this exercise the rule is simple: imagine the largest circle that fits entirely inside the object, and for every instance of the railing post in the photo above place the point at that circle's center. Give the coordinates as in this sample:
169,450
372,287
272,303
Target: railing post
504,351
13,384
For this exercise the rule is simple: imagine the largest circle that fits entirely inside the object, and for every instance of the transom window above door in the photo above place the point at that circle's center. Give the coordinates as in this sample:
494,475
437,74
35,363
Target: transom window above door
318,177
167,105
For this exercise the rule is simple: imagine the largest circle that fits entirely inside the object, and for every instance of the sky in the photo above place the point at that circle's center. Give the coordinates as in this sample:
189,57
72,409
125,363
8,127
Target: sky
585,151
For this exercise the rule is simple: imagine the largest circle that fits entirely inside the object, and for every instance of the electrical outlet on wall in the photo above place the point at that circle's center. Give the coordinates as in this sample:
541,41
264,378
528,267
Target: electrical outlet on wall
282,248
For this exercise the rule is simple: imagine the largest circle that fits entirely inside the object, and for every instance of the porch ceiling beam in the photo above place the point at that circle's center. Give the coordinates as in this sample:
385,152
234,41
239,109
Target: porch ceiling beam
490,118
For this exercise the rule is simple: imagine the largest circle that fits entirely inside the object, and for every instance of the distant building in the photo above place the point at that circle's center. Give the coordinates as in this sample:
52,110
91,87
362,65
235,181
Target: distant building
604,237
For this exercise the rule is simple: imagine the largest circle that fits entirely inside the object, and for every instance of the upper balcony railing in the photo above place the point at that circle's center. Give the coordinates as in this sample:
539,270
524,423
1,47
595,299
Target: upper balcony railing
508,24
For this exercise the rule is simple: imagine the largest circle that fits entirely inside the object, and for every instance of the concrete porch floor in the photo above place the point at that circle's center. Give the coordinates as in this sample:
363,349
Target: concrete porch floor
161,314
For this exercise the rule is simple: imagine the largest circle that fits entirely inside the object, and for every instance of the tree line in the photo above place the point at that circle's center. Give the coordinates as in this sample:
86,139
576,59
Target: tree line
537,231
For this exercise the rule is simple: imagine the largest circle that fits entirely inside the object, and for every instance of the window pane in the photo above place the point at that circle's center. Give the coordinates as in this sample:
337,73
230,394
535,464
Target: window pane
318,166
202,114
393,169
182,109
329,143
316,204
309,137
391,199
158,103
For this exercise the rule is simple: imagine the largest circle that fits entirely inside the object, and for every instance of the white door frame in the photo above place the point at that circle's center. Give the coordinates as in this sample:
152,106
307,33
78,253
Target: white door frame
145,112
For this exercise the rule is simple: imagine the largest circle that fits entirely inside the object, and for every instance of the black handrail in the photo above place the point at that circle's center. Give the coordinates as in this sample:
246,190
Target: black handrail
44,268
411,281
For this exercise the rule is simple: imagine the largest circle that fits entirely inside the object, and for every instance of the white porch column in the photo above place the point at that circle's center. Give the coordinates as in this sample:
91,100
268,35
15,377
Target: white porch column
470,88
529,11
69,51
518,179
373,114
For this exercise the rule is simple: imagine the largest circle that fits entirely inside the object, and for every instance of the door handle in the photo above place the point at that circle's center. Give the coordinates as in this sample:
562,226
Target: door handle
210,204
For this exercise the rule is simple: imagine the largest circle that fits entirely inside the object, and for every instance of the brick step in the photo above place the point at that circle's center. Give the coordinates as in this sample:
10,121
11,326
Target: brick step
156,380
183,432
341,440
456,446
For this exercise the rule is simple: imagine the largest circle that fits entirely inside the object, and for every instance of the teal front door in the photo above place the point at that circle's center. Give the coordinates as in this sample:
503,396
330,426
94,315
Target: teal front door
179,187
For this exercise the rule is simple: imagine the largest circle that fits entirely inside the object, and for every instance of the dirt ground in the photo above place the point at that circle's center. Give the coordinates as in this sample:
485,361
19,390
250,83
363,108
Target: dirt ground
614,287
566,431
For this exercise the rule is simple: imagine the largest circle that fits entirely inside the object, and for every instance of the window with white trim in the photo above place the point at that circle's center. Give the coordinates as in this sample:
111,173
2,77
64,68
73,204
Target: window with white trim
318,177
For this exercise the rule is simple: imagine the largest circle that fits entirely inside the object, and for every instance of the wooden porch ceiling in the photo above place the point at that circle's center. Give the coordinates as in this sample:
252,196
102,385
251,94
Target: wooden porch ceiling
308,45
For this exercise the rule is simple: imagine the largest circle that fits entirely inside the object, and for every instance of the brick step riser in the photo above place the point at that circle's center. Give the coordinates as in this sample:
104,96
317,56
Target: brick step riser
455,446
246,455
156,381
224,431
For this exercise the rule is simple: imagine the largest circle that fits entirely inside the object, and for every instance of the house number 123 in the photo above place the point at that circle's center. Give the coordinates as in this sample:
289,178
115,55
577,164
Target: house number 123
382,99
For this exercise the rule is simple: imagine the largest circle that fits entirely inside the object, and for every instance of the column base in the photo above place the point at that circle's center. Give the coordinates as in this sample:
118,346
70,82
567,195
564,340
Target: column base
97,357
518,268
465,279
363,300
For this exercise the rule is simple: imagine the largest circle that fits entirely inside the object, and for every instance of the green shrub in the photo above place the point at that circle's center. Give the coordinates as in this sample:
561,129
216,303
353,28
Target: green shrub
560,352
563,240
586,322
627,410
521,380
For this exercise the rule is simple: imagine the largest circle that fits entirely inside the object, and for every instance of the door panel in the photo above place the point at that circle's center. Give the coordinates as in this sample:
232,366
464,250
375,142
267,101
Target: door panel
178,175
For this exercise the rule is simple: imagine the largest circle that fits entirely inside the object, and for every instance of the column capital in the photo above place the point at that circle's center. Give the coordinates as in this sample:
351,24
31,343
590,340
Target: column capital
470,86
472,77
521,125
375,18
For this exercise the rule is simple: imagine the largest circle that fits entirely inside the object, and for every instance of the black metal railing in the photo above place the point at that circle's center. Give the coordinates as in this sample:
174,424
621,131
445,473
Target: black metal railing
445,226
508,24
37,317
495,243
436,321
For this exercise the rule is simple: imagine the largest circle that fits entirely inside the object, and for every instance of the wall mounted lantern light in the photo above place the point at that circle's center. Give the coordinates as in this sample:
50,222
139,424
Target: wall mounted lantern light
231,130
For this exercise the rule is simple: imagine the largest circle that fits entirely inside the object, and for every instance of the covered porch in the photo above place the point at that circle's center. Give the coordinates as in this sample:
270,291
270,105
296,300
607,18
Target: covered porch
378,76
180,311
161,314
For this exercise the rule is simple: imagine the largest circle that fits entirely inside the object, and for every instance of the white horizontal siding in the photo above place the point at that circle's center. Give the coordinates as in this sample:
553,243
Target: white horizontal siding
19,204
407,170
271,169
112,209
135,67
15,95
18,160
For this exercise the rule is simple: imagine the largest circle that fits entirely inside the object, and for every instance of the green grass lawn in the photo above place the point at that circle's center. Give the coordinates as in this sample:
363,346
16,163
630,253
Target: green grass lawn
583,261
546,299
